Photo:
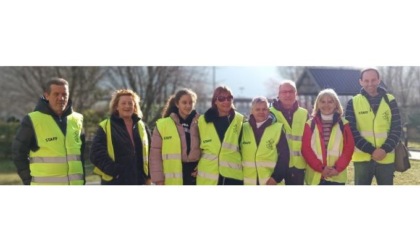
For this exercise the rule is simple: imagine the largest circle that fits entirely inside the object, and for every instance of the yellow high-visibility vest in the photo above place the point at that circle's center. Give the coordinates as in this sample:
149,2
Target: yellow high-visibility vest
58,159
171,151
106,126
374,128
217,157
294,135
334,151
258,162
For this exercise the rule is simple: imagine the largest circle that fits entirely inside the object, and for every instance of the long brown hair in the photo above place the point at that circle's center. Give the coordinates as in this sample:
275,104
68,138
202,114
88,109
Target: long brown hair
170,106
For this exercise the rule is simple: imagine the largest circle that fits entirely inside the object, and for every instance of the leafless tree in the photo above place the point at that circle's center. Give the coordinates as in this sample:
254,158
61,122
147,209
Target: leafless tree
25,85
155,84
404,83
291,72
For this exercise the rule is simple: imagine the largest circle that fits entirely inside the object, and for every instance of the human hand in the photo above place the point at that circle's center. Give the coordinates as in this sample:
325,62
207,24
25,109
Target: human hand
379,154
160,183
194,173
271,181
327,171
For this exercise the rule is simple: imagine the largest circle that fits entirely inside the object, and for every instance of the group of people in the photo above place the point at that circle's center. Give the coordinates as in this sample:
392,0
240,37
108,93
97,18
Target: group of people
280,143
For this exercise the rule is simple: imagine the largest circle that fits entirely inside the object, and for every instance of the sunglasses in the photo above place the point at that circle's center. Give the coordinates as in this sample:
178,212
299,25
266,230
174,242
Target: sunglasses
224,98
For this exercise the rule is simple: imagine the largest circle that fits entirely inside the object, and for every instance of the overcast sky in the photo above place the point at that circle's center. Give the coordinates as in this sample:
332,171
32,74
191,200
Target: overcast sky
246,81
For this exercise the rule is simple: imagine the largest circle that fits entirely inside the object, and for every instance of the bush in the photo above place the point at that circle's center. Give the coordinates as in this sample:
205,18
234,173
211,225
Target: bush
7,133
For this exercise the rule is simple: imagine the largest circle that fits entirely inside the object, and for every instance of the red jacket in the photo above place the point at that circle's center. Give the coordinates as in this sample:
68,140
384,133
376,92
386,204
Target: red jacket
310,156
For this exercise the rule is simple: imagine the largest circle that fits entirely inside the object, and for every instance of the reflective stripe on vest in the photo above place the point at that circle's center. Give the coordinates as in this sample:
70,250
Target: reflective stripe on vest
217,157
57,180
58,159
259,161
55,159
106,126
171,151
334,151
373,128
294,135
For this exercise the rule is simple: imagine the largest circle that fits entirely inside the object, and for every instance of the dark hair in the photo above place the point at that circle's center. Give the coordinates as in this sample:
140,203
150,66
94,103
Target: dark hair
217,92
369,69
54,81
170,106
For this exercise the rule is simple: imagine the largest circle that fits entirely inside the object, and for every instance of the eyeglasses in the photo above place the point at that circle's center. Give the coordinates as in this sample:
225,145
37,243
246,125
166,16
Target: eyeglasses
288,92
224,98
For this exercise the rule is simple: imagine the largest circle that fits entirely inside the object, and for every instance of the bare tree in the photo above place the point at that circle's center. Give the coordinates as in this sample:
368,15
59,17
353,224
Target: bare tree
291,72
404,83
25,85
155,84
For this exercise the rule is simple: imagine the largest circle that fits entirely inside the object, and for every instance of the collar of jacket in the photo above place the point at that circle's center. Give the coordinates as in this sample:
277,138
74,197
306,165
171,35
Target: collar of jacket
211,114
177,118
381,91
279,106
336,117
118,119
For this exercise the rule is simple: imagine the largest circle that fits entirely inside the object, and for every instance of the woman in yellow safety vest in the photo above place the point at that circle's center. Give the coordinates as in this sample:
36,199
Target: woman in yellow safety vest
264,148
220,128
120,149
327,143
175,147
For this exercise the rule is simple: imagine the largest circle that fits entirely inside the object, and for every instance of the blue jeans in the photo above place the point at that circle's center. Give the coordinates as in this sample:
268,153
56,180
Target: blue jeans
365,171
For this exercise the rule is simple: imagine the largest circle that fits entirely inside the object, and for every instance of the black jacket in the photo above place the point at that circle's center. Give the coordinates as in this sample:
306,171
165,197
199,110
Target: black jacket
25,139
128,166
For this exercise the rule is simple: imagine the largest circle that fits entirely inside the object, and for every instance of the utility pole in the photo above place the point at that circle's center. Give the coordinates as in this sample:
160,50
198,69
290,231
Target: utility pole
214,77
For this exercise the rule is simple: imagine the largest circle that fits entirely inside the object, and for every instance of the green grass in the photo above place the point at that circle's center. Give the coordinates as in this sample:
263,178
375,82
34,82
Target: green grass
8,175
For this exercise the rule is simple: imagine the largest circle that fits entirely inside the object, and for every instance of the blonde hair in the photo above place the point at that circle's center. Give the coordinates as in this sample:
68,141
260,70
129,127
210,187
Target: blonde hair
330,93
116,98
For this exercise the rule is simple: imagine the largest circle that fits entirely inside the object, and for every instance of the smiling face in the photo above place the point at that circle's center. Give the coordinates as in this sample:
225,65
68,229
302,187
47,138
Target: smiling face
125,106
287,95
58,98
327,105
370,82
260,111
185,105
224,103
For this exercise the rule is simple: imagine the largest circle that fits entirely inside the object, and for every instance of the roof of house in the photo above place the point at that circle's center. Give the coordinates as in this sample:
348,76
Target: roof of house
345,81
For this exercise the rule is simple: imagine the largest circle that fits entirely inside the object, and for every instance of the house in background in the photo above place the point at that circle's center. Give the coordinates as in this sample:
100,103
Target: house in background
344,81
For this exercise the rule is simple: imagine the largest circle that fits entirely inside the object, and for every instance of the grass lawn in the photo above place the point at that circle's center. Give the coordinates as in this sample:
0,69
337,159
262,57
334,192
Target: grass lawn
8,175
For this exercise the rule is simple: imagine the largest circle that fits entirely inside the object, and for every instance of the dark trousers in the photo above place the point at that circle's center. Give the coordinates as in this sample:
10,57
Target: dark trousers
365,171
325,182
295,176
229,181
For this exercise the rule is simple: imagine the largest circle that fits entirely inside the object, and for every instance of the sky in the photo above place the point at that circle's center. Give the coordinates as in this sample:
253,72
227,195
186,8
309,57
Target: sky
246,81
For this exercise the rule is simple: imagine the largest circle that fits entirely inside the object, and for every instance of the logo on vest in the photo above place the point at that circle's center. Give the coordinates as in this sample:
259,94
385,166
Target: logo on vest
270,144
386,116
76,137
246,142
235,129
363,112
167,138
49,139
207,141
